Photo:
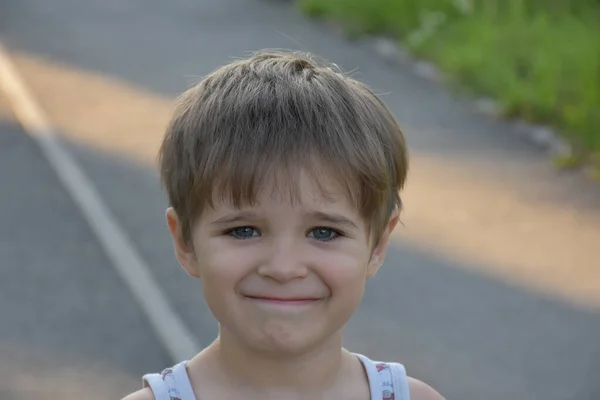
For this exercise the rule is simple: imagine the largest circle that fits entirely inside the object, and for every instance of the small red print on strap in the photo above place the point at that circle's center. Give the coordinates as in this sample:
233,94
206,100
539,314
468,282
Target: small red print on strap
166,372
380,367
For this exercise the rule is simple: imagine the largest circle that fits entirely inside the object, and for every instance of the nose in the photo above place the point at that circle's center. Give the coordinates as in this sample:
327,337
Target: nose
284,262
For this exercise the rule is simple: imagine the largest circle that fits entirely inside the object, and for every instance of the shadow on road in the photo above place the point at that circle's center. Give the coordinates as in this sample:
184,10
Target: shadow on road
69,328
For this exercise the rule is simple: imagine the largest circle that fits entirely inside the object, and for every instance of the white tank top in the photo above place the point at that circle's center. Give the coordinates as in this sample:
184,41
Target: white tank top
387,381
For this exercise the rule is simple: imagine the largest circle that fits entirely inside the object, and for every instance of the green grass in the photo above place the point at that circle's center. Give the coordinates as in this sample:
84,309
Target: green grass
539,58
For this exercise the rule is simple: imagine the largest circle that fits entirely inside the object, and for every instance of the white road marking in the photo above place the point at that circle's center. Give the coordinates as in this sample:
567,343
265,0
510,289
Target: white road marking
171,330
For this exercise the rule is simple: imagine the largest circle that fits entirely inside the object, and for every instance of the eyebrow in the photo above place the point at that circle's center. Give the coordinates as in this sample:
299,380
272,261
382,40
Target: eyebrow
317,215
237,217
332,218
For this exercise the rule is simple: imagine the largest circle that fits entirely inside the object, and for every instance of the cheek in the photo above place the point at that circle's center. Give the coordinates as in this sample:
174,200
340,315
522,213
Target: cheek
223,264
343,270
222,267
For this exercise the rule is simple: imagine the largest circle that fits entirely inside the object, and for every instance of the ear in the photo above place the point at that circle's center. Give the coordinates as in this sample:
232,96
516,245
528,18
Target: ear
184,252
378,253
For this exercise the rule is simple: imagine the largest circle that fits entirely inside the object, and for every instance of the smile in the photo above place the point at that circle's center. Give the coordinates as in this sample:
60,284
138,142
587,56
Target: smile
283,301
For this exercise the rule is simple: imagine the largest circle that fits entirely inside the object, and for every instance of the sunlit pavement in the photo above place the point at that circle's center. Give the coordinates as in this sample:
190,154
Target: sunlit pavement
492,289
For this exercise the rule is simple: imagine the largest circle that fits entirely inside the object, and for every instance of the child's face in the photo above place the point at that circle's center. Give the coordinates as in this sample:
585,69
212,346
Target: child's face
283,277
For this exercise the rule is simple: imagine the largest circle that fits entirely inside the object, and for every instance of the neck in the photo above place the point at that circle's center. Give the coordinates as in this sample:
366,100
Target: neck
317,369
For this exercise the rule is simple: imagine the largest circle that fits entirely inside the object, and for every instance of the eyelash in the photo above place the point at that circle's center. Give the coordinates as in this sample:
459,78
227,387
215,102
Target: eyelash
336,234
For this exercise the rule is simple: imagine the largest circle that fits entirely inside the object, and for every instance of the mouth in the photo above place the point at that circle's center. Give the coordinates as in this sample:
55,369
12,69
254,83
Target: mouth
295,301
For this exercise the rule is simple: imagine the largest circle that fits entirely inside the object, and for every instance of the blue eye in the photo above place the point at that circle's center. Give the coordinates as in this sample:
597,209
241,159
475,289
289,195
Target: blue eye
244,232
323,234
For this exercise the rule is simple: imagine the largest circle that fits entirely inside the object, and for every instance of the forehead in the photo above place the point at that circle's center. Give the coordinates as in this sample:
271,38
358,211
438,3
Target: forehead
304,188
300,189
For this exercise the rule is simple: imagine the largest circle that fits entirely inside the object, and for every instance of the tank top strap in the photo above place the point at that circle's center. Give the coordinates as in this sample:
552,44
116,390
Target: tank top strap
171,384
387,381
399,381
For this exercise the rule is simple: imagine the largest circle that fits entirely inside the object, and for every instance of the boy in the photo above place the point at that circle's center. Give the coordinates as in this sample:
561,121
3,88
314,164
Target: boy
283,177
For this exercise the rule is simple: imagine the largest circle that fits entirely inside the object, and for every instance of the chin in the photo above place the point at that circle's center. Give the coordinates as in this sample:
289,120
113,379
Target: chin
283,341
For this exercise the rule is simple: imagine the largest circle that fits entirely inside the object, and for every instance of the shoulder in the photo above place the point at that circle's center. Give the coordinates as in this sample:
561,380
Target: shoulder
143,394
422,391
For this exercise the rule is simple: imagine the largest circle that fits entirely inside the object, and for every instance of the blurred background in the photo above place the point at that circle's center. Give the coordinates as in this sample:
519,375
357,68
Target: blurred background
492,287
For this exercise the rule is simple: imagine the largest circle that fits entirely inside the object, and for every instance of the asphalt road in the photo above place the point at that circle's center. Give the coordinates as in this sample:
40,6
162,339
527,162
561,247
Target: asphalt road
492,288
